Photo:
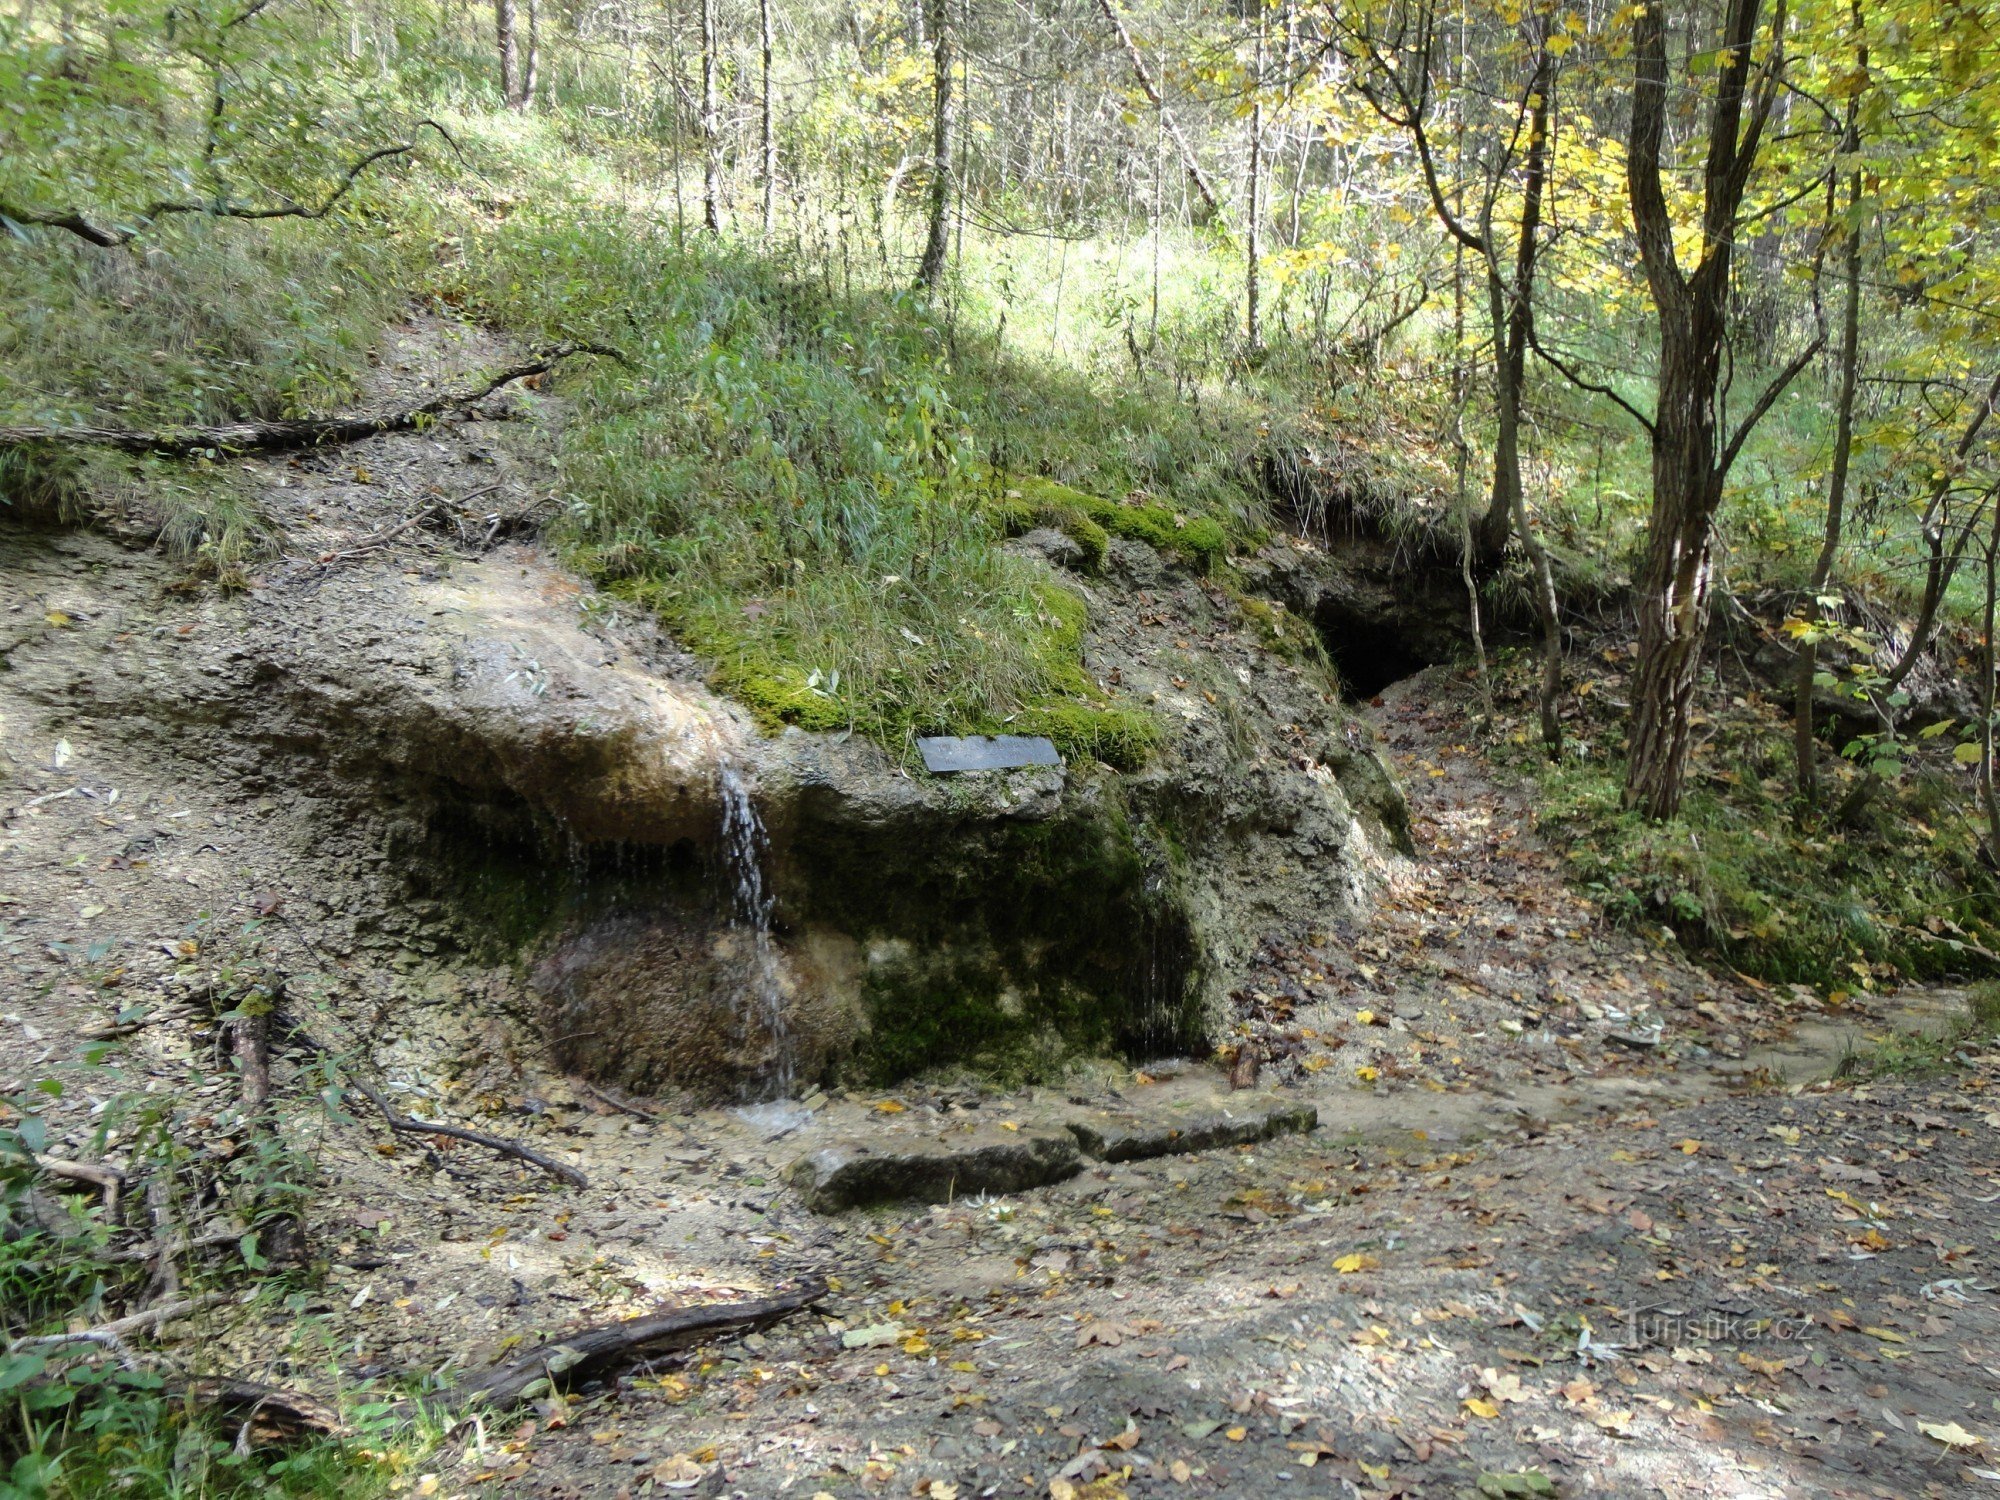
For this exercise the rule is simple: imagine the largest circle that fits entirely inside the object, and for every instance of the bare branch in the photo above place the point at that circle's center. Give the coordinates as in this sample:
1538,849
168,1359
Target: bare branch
303,432
74,222
1765,401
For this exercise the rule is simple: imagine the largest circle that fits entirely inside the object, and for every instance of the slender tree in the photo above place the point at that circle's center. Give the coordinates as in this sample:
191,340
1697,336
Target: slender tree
937,237
1848,360
1394,72
767,134
1254,245
1692,454
711,132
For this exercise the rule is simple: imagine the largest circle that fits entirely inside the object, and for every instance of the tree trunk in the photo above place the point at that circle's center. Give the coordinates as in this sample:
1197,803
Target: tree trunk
937,238
1679,563
1804,749
1691,457
510,52
531,72
711,134
768,136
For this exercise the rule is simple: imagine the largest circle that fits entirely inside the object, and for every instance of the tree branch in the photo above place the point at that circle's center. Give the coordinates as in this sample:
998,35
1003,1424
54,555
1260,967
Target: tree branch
1570,374
403,1125
1765,400
302,432
110,238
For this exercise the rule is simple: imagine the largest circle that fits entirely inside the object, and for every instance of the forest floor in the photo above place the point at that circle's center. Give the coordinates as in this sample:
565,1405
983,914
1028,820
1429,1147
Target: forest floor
1581,1216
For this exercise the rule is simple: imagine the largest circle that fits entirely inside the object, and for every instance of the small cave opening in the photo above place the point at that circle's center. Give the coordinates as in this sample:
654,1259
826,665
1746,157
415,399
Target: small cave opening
1369,652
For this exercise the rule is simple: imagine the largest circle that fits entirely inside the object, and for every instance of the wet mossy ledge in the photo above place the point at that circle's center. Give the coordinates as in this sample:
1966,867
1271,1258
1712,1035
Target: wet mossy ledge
1070,709
1004,930
1007,946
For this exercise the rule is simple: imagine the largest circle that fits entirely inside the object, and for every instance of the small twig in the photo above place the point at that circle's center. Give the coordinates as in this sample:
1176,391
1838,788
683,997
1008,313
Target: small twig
615,1102
415,518
110,1179
403,1125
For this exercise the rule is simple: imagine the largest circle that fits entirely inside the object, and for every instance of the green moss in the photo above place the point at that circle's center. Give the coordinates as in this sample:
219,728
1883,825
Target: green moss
1027,501
1124,738
1280,632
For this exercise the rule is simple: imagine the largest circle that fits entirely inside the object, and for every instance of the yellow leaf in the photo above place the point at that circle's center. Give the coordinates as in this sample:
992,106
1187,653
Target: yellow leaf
1364,1017
1347,1265
1237,1434
1367,1075
889,1107
1480,1407
1950,1434
1689,1147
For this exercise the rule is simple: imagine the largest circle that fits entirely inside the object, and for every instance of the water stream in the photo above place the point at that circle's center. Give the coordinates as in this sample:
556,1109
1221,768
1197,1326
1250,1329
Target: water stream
761,1004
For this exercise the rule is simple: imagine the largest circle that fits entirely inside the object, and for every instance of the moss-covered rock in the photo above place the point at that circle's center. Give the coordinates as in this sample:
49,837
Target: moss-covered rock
1025,501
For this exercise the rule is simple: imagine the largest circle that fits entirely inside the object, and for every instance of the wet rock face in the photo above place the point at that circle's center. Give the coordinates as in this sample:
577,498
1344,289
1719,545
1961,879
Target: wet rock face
657,999
548,784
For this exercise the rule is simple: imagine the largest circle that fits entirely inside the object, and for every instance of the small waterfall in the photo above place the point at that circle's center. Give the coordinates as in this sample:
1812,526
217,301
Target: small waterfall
761,1007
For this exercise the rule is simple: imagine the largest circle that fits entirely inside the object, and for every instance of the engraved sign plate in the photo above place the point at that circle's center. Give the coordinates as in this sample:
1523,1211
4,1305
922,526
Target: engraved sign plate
984,752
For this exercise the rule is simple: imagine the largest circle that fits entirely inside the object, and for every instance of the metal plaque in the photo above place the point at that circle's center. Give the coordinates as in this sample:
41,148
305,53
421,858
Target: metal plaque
983,752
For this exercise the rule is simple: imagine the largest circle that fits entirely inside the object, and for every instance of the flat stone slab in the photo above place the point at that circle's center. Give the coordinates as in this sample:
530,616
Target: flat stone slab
851,1175
987,752
1134,1137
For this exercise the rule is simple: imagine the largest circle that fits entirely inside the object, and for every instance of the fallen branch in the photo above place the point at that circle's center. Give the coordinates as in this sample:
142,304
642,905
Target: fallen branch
301,432
404,1125
595,1351
75,223
112,1334
389,533
605,1096
110,1179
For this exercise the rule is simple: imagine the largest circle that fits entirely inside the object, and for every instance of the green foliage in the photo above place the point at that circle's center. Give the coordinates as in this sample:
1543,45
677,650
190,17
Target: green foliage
76,1423
1897,892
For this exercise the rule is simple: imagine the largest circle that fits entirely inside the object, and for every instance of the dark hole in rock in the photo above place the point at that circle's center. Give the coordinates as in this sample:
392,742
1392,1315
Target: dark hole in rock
1369,651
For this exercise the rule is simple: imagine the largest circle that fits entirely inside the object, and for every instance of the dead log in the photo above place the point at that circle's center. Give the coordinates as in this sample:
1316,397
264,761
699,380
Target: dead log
97,1175
296,433
561,1363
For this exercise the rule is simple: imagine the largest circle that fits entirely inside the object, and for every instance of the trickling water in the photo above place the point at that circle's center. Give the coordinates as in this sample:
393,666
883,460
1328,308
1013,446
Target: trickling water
761,1008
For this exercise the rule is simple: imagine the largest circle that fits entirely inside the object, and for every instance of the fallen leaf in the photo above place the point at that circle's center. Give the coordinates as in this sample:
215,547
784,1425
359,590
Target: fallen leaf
1950,1434
1347,1265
